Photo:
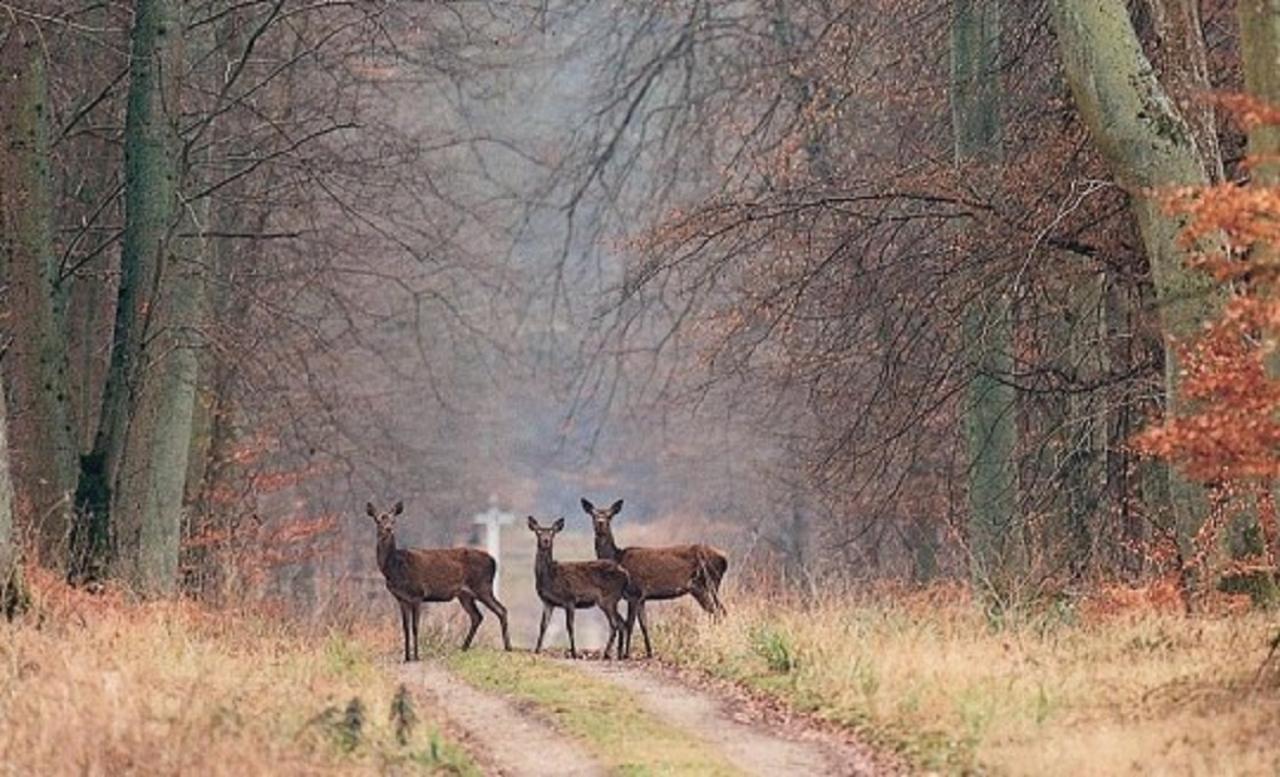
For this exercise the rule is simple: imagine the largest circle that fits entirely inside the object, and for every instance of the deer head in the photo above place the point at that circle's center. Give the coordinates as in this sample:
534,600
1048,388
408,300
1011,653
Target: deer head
385,522
546,534
600,519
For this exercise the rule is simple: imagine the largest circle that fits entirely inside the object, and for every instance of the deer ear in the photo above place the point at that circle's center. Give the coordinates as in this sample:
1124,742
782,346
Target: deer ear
558,525
368,508
588,507
615,508
399,508
532,523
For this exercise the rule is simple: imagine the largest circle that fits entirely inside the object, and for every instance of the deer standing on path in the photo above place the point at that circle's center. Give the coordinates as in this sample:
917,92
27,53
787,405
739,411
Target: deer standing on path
576,585
659,573
418,575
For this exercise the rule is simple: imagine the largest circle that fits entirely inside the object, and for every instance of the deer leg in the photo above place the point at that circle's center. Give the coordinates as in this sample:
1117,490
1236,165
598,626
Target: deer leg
468,603
404,626
568,625
632,606
615,627
613,631
489,600
644,629
704,599
413,610
542,629
715,598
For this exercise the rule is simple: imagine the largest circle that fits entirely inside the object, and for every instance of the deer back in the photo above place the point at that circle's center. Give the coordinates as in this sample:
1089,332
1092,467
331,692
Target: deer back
671,571
582,581
440,573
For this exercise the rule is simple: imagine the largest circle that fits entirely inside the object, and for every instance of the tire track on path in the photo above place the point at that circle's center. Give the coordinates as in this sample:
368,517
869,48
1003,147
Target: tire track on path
506,739
749,745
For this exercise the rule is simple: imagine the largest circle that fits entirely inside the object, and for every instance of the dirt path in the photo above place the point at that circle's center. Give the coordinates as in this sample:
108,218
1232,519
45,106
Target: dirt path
746,742
506,739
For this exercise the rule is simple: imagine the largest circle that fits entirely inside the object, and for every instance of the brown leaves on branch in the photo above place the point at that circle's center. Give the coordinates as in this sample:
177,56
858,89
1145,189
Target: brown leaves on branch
1224,431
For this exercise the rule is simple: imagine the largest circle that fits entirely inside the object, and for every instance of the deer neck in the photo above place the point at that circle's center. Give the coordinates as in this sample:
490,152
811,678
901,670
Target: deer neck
542,566
604,545
386,552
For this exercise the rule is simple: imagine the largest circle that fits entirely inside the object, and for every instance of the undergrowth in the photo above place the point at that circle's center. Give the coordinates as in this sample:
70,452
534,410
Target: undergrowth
98,685
1062,690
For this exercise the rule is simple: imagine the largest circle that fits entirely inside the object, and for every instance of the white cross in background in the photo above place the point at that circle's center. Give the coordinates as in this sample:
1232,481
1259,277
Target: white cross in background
493,520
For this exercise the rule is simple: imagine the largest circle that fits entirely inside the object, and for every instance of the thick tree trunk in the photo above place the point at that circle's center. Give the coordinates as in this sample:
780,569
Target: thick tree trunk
145,433
8,545
1148,145
995,531
1260,55
44,454
14,596
1086,427
90,167
1260,58
1181,59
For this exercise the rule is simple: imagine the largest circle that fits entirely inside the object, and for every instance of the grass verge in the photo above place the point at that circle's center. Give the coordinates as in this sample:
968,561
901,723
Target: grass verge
621,735
1145,692
95,685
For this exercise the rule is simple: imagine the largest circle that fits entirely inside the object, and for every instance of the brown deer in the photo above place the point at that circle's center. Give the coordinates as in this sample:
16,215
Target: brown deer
418,575
659,573
576,585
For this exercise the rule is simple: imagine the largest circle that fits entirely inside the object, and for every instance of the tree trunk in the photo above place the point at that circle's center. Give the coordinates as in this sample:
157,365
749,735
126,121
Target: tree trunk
1260,55
90,167
1260,60
145,433
995,531
44,454
8,545
1086,420
1148,145
1181,58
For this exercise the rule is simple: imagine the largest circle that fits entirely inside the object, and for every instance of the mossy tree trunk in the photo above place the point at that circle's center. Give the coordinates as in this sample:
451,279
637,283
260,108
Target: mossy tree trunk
44,454
1086,423
8,549
1260,58
145,432
1148,145
995,530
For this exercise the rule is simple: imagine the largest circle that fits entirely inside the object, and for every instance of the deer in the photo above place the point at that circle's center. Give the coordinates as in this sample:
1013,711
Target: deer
576,585
417,575
658,573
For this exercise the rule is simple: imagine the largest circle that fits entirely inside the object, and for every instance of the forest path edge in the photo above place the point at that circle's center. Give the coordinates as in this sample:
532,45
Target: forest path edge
502,736
737,730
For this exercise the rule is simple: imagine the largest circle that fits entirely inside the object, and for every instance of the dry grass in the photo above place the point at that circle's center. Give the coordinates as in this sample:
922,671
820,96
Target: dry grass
927,675
94,685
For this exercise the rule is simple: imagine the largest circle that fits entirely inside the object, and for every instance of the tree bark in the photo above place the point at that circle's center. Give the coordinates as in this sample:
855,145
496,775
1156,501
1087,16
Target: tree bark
995,531
145,433
1148,145
1260,57
8,545
1086,420
1260,60
1182,61
44,454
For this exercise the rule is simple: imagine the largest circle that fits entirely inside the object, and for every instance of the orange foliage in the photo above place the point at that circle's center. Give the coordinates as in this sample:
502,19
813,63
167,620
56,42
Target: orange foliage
1226,431
1162,595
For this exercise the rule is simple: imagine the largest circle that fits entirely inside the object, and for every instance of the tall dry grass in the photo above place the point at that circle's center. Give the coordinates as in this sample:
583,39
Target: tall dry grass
1063,691
97,685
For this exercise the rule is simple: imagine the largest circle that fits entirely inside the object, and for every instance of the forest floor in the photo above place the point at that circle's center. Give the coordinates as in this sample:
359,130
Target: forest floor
1120,682
857,684
98,685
